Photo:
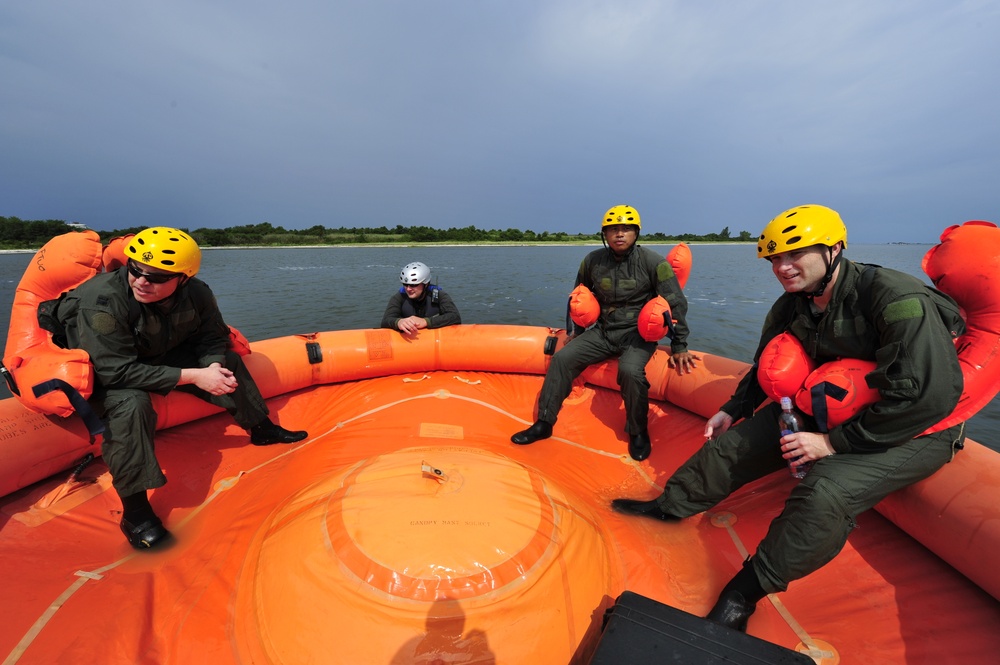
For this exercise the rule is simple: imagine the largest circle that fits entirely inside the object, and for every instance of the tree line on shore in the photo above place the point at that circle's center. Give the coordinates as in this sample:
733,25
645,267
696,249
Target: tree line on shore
17,233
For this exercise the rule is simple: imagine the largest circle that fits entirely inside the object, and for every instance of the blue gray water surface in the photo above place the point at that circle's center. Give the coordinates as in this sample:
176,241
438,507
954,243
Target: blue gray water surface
275,292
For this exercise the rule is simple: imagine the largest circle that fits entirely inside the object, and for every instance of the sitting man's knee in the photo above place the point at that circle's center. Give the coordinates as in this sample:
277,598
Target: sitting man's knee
560,363
233,360
129,403
822,496
632,374
123,396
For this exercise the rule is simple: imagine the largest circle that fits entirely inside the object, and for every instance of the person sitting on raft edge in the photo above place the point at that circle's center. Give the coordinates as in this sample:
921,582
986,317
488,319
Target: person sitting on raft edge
419,304
836,309
152,327
623,277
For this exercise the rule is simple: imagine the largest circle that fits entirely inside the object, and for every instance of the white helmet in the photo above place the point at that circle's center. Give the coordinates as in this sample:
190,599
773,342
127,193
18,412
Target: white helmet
415,273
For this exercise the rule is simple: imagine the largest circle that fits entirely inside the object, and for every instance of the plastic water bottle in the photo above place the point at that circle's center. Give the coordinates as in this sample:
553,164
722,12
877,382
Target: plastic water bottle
788,422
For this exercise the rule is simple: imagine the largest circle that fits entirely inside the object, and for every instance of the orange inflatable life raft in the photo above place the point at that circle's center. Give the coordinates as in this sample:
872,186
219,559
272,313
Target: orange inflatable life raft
409,521
409,508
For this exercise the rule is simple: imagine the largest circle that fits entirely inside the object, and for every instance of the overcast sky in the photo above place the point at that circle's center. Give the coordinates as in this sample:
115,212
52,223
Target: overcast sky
531,115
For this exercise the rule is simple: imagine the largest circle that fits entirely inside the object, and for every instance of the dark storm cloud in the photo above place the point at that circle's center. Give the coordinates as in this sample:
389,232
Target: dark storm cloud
508,114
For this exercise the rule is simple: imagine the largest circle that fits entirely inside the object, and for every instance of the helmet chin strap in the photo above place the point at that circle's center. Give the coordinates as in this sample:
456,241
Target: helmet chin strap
831,264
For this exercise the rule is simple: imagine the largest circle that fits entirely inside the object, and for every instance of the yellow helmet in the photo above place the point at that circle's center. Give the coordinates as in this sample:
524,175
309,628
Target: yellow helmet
621,215
801,227
165,248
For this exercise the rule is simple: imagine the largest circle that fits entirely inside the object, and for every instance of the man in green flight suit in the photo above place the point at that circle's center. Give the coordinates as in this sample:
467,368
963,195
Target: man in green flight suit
623,277
836,309
151,327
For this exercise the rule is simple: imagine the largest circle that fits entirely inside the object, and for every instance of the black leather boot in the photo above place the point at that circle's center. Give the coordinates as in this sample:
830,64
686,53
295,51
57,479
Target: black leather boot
738,599
639,446
145,535
142,528
540,430
266,432
643,509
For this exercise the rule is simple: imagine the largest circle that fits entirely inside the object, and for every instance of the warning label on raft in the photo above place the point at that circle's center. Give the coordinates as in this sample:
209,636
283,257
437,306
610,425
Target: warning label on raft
450,523
379,344
441,431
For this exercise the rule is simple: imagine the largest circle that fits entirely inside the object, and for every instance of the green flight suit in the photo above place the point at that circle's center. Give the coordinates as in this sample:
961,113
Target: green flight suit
621,286
138,349
907,328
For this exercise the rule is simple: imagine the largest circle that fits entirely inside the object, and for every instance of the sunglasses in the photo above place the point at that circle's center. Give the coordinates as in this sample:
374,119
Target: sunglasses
151,277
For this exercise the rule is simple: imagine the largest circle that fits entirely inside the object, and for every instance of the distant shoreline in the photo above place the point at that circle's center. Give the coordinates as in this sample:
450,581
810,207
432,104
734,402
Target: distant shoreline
471,244
568,243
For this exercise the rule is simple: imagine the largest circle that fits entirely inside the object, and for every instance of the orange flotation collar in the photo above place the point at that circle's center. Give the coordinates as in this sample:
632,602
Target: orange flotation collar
583,306
30,356
654,319
966,266
679,258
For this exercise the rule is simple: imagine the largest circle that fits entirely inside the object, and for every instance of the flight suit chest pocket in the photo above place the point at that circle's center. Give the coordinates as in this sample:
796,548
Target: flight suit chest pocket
628,284
184,319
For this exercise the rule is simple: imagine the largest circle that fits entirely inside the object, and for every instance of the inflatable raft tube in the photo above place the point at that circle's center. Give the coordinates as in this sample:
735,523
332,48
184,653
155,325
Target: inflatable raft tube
396,447
34,446
408,527
960,497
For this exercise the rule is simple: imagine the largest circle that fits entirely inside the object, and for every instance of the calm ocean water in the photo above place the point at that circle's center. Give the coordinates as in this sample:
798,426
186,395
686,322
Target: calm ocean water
276,292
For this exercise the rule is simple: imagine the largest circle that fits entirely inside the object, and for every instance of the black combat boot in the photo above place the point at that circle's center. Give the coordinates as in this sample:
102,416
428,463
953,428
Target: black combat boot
265,433
643,509
738,599
142,528
639,446
540,430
